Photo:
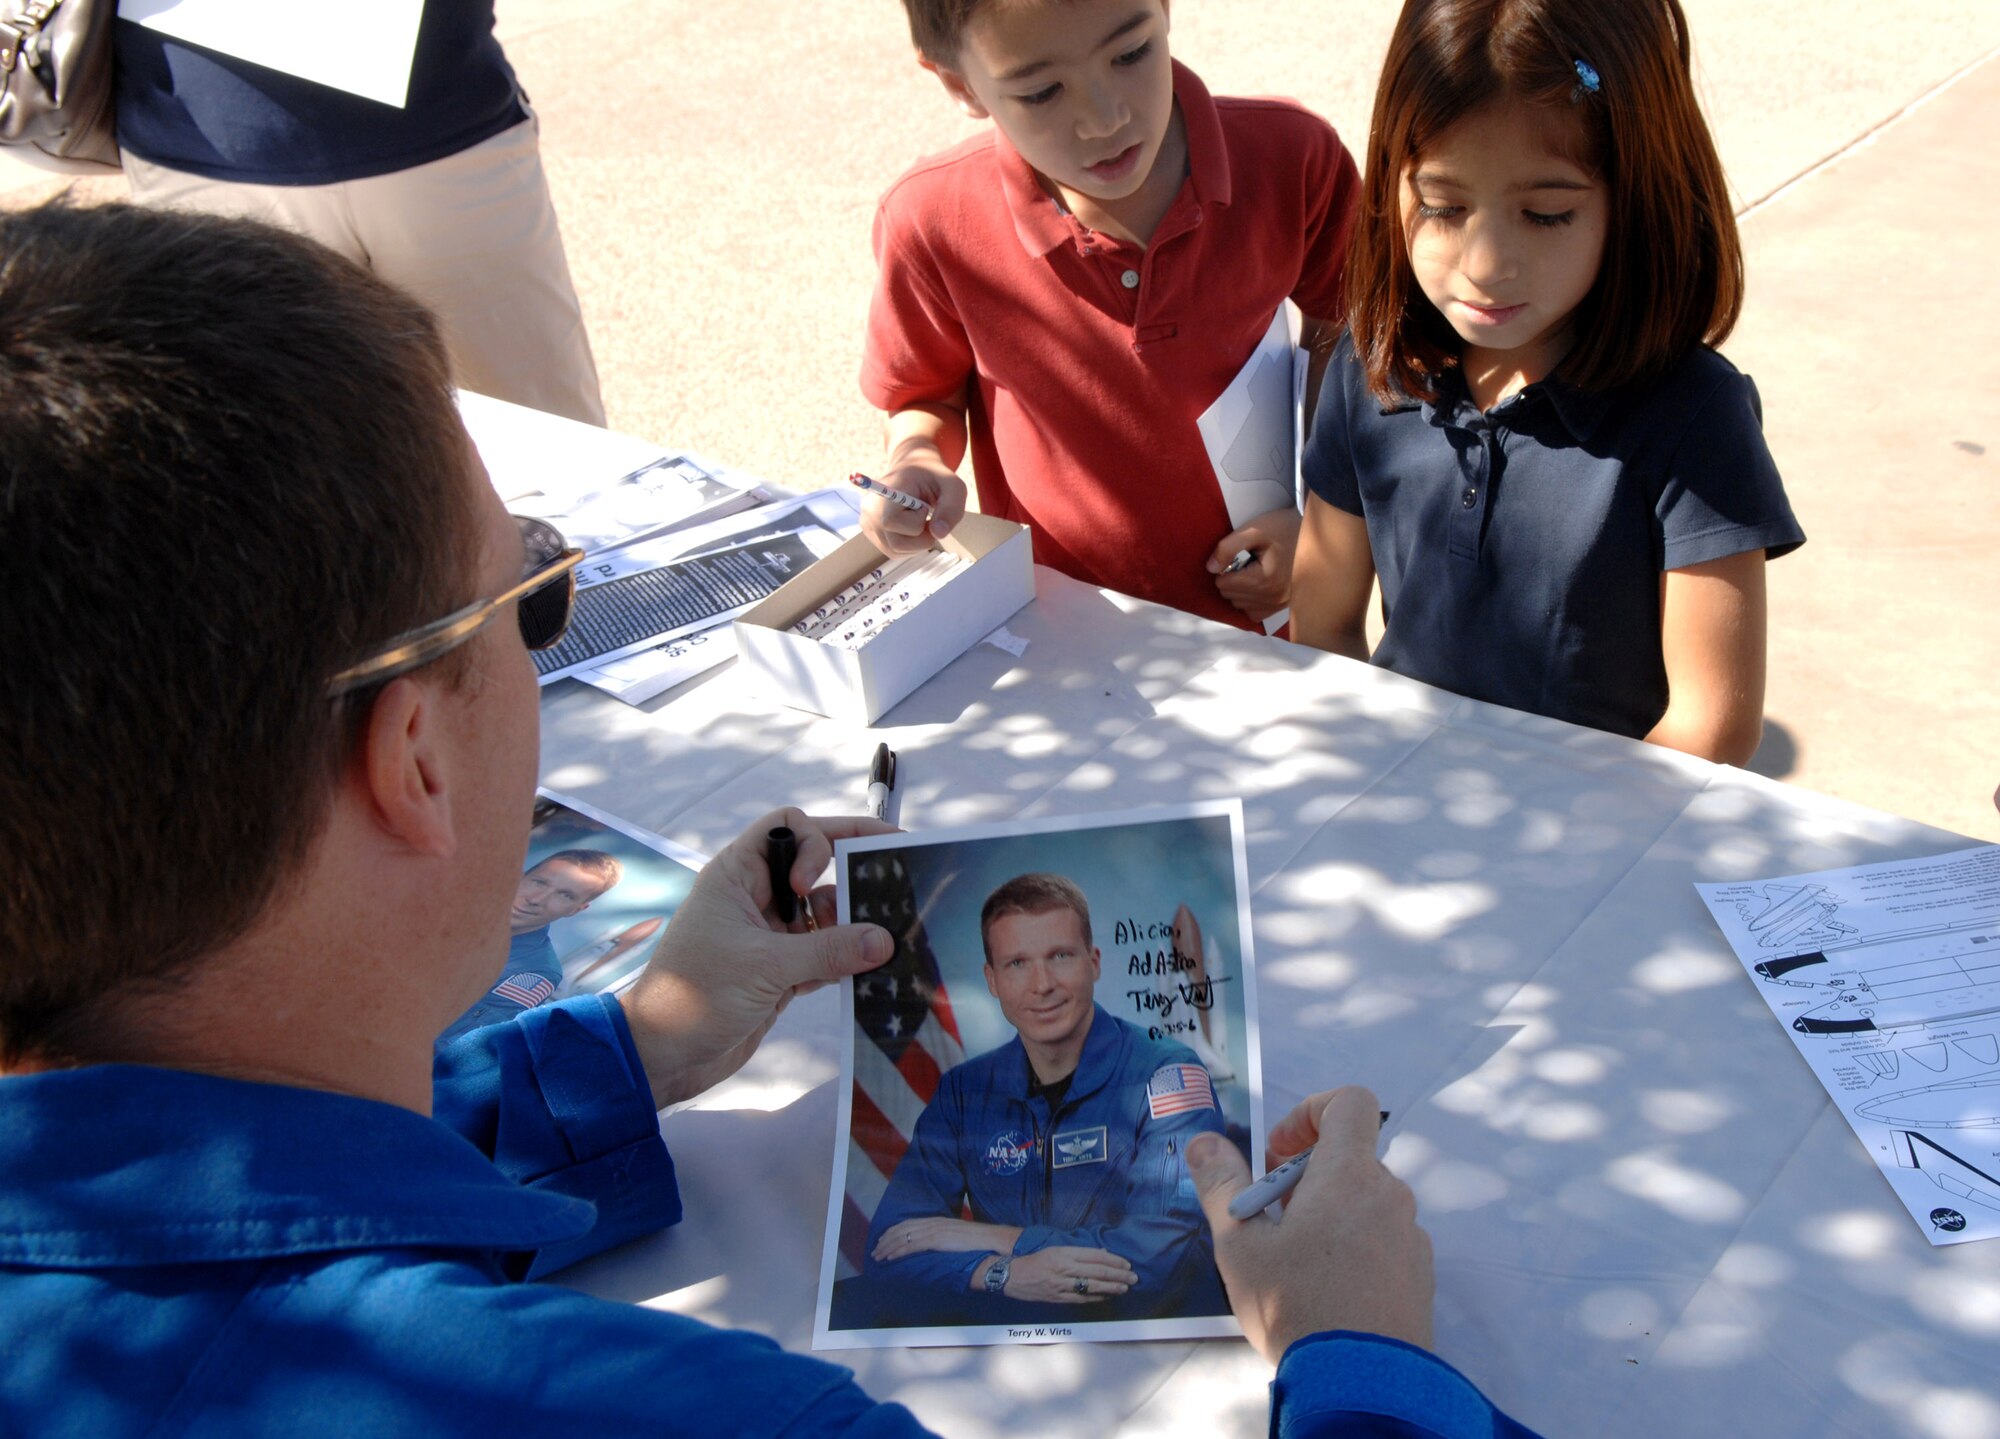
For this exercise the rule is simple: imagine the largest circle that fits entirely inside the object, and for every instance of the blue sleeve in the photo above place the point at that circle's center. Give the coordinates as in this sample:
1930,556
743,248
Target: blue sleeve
1722,493
1161,1231
559,1100
1366,1386
1326,466
467,1356
928,1183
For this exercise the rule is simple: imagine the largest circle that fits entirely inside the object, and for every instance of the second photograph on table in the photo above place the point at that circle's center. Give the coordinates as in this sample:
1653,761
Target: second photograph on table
1071,1001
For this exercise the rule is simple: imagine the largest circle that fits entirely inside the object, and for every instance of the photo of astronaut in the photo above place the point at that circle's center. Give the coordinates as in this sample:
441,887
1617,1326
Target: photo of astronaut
594,896
1070,1002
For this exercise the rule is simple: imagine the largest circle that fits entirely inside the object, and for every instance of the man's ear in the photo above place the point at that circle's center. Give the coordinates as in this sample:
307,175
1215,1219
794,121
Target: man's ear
955,86
402,768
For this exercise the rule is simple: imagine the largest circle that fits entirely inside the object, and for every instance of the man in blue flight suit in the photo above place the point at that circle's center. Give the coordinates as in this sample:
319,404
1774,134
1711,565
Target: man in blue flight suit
565,883
274,1206
1066,1145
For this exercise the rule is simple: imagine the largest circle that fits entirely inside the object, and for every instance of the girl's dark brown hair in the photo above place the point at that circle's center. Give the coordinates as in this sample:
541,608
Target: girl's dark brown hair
1672,274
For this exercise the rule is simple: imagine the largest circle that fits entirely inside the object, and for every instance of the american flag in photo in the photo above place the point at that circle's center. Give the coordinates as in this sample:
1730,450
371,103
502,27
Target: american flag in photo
526,990
1178,1088
907,1039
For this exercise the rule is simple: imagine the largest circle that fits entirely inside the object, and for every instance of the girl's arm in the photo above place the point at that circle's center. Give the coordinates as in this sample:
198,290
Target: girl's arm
1712,635
1332,577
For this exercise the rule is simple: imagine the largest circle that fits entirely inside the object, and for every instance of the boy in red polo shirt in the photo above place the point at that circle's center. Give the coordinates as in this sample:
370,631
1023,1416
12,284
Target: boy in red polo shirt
1066,293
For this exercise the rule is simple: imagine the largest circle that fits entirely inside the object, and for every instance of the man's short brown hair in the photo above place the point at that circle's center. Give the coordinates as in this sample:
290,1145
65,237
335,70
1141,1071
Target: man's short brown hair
1032,894
602,867
230,464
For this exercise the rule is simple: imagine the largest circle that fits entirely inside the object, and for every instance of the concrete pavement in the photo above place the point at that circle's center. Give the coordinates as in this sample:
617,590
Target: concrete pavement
717,166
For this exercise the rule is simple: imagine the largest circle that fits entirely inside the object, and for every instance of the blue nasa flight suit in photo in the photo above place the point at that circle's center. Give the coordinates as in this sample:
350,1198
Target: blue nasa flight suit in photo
186,1254
1101,1172
532,968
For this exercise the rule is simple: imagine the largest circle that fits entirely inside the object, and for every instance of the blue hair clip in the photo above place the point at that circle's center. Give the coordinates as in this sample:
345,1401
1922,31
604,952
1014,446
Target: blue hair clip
1587,82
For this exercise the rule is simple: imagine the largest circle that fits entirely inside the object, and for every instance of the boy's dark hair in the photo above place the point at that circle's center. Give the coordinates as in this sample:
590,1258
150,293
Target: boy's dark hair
1033,894
937,27
1672,274
230,464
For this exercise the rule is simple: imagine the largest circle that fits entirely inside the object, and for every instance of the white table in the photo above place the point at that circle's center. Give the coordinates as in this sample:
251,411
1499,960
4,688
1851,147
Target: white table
1648,1218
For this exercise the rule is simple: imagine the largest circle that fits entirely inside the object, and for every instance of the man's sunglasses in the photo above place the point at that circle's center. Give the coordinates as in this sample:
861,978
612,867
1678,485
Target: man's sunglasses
542,602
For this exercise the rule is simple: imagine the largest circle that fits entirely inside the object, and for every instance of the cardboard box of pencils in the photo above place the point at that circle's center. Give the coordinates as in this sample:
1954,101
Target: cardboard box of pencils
995,576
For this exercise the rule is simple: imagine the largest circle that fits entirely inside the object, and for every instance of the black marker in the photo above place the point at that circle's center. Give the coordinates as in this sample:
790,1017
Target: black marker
781,849
881,779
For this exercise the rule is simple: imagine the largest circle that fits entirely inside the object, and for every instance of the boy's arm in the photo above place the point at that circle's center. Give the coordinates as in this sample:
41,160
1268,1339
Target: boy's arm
917,368
926,442
1712,637
1331,580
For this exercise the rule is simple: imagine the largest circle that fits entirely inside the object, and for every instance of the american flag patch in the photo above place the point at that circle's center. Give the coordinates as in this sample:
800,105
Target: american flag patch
1177,1089
526,990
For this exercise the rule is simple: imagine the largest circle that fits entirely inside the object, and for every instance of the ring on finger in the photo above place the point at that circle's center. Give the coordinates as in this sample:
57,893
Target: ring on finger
1083,1286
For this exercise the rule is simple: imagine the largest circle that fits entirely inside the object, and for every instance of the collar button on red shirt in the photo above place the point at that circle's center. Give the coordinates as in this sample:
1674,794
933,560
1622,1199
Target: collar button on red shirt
1130,279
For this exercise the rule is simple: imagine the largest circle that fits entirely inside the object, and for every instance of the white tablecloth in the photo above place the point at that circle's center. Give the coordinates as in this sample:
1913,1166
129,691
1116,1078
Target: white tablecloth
1648,1218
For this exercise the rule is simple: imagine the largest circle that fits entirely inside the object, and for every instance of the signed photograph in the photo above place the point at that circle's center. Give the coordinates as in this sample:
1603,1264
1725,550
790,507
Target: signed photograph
595,894
1070,1002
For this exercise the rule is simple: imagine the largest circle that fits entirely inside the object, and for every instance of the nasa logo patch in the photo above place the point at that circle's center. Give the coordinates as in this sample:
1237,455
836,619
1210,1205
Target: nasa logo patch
1007,1154
1949,1220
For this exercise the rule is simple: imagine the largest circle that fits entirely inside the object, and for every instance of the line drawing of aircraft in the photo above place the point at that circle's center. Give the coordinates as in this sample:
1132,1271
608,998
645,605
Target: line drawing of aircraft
1946,1170
1795,914
1979,1048
1934,1057
1928,990
1966,1104
1883,1062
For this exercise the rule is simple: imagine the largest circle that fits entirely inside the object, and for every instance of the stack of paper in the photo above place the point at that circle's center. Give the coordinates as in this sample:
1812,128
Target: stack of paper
655,611
676,545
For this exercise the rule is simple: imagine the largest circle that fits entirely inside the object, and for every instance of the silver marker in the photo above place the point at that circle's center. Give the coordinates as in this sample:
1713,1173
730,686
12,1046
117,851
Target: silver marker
1275,1185
1240,562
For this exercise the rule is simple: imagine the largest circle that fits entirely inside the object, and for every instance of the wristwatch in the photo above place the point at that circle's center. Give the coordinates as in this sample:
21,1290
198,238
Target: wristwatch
996,1277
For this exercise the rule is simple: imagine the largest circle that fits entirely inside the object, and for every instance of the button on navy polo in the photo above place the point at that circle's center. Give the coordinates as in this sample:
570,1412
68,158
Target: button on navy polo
1520,549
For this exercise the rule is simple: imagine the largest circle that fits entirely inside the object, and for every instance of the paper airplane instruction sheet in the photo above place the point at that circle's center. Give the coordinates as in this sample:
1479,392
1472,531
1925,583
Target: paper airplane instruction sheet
1887,977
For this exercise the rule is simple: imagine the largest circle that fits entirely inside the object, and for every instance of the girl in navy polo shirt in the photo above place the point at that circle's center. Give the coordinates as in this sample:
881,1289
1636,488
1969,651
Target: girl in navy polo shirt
1565,491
